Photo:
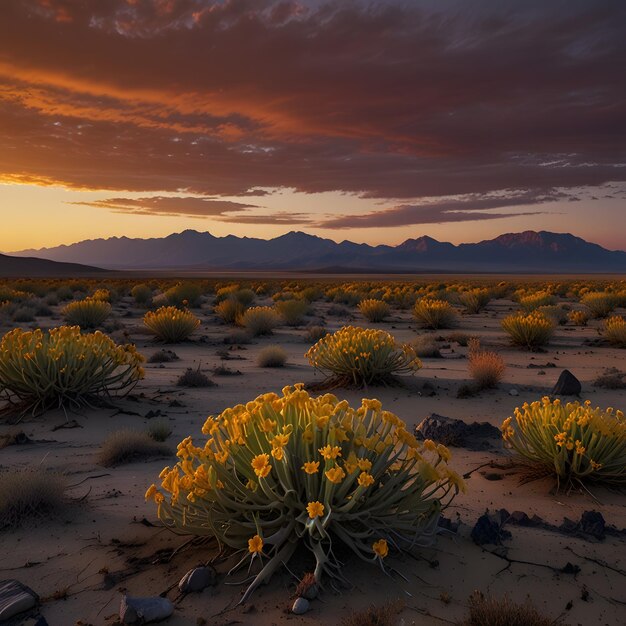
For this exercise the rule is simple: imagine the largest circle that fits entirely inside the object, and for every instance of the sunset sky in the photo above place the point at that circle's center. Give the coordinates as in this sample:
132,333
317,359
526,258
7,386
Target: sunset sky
373,121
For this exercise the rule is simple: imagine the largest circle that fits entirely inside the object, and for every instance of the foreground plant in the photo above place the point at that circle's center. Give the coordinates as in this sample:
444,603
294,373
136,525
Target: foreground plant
64,368
615,331
362,356
171,324
435,314
87,313
294,470
573,441
531,330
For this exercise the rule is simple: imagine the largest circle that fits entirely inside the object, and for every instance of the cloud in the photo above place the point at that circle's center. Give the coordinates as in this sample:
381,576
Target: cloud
468,209
388,100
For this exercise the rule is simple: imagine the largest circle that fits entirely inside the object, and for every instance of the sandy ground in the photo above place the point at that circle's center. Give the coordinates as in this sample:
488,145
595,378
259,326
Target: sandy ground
110,542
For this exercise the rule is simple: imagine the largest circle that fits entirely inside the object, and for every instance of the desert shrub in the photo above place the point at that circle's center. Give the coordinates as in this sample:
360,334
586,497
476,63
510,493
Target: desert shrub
556,313
475,300
374,310
611,378
170,324
229,310
259,320
599,303
238,336
463,339
163,356
315,333
311,294
101,294
290,471
42,309
194,378
128,446
434,314
62,367
87,313
30,495
336,310
292,311
535,300
578,318
159,429
503,612
426,347
184,294
615,331
361,356
574,441
485,367
23,315
142,294
531,330
245,297
223,293
64,292
272,356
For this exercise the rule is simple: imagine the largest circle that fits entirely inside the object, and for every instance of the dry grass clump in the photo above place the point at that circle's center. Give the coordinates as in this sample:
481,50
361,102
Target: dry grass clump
488,611
170,324
142,294
374,310
260,320
385,615
163,356
600,303
315,333
184,294
88,313
292,311
611,378
435,314
578,318
229,310
475,300
30,495
529,331
128,446
194,378
426,347
615,331
160,429
485,367
533,301
272,356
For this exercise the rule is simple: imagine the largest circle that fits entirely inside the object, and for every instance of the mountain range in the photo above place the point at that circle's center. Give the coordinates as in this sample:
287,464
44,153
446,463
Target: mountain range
529,251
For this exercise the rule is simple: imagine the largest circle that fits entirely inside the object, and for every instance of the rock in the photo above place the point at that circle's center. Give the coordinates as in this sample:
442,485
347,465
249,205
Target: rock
455,432
513,392
300,606
144,610
197,579
488,530
15,598
567,385
310,593
592,523
429,390
519,518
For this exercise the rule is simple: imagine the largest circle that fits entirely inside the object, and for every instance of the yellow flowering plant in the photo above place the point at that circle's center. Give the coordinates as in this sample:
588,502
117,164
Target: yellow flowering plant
171,324
359,356
62,367
374,310
574,441
87,313
435,314
531,330
291,470
615,331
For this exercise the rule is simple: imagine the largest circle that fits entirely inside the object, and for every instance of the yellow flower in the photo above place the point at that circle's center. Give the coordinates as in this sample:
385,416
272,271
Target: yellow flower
260,465
315,509
278,453
330,452
311,467
280,441
429,445
381,548
365,465
335,474
154,494
255,545
580,449
365,479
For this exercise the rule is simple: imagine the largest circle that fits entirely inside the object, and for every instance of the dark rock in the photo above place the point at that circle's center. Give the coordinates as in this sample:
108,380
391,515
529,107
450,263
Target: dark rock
519,518
144,610
15,598
590,526
488,530
455,432
429,390
197,579
448,524
300,606
567,385
570,568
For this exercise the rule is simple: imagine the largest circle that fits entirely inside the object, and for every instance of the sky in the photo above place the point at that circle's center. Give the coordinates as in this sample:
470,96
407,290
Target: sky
373,121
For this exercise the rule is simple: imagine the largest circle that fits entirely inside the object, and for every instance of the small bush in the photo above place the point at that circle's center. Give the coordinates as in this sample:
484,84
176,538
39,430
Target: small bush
272,356
361,356
475,300
128,446
238,336
463,339
170,324
600,304
557,314
229,310
259,320
194,378
426,347
88,313
374,310
24,315
142,294
485,367
245,297
31,495
494,612
435,314
536,300
615,331
529,331
184,294
573,441
315,333
292,311
578,318
163,356
611,378
160,429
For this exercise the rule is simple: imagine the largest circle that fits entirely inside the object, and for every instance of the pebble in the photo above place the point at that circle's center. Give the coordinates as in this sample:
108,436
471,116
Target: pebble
197,579
144,610
300,606
513,392
15,598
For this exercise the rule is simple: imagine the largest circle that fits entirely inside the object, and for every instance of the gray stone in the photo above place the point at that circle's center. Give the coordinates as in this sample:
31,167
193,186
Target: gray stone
144,610
567,385
300,606
15,598
455,432
513,392
197,579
